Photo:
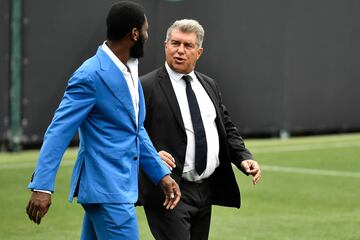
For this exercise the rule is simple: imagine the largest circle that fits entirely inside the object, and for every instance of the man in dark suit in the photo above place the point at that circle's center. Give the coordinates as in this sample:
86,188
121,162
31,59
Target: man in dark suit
191,128
105,102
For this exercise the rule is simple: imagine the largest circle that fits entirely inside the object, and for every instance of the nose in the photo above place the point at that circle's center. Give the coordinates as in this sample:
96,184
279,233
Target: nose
181,48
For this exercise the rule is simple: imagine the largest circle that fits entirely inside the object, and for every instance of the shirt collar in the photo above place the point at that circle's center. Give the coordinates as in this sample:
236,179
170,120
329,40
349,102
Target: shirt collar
131,62
177,76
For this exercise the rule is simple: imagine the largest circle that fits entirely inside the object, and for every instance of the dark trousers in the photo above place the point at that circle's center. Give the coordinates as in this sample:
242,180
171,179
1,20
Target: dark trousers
190,220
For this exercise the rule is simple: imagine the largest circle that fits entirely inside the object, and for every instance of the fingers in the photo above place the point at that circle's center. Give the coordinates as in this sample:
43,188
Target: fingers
172,199
171,191
245,166
168,202
169,197
177,196
167,159
253,169
169,166
40,214
255,172
33,212
38,206
37,217
29,210
256,176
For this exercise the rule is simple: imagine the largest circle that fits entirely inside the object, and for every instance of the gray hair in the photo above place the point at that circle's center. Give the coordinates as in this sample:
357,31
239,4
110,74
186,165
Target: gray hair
187,26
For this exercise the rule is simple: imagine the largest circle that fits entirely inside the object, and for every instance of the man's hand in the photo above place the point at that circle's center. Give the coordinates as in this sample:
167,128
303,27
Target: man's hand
253,169
167,159
171,191
38,206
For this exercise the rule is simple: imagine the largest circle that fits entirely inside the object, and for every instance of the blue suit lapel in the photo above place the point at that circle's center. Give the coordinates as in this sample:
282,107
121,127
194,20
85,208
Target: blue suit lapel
142,108
116,82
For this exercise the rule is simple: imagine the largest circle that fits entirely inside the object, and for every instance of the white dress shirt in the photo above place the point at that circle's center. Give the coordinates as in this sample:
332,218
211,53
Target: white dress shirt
130,72
208,115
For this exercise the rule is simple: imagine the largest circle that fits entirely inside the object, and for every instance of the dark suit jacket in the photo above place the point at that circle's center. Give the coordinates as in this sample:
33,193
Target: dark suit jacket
166,130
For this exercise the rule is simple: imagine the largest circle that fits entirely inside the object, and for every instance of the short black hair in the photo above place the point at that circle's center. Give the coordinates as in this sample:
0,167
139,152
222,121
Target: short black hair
122,18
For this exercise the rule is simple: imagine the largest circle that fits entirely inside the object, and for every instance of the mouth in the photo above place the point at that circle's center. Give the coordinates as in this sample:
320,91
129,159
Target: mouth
179,60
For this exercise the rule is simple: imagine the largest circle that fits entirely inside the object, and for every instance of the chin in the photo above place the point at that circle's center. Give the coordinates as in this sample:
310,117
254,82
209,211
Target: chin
179,69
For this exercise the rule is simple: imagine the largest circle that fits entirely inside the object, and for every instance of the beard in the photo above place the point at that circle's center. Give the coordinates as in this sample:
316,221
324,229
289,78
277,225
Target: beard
137,51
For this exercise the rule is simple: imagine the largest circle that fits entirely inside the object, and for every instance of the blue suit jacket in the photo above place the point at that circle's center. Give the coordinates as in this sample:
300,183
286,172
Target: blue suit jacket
97,102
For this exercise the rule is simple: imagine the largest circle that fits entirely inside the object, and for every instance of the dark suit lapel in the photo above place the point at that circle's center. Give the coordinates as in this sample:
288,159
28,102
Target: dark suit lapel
116,82
168,91
210,91
215,99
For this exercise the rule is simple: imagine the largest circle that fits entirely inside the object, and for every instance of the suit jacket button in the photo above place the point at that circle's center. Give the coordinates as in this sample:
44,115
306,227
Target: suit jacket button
135,158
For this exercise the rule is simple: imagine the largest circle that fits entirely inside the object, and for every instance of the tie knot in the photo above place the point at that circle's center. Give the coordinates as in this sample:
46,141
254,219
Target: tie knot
187,79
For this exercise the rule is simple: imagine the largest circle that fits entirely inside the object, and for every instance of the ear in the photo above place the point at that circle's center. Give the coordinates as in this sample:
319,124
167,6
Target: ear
135,34
199,52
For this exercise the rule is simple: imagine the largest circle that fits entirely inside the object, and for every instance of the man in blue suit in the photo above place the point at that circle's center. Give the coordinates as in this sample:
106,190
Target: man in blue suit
104,101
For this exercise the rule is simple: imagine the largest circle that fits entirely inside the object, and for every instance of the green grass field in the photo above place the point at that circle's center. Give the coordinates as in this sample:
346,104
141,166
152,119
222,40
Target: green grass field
310,190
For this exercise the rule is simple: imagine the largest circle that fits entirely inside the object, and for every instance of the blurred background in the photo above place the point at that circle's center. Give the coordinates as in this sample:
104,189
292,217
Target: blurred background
285,67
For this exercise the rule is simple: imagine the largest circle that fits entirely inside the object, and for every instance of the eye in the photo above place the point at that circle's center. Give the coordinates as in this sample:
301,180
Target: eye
175,43
189,45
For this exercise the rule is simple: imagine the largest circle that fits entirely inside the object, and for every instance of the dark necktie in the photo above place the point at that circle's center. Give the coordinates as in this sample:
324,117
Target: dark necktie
199,131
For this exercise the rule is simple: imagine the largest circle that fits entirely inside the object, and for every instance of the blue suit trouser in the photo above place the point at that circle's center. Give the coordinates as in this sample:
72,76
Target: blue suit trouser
109,221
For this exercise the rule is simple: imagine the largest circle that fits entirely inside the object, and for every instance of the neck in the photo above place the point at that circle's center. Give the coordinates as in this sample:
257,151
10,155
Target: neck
121,51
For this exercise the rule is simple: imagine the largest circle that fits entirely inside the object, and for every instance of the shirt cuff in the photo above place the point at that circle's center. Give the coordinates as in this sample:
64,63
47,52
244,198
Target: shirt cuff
44,191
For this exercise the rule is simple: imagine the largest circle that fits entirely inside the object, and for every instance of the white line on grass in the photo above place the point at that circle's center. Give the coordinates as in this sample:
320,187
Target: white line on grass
29,165
310,171
295,148
265,168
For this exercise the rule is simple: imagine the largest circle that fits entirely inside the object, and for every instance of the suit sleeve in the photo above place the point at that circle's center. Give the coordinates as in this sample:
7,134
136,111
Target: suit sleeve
76,103
150,161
